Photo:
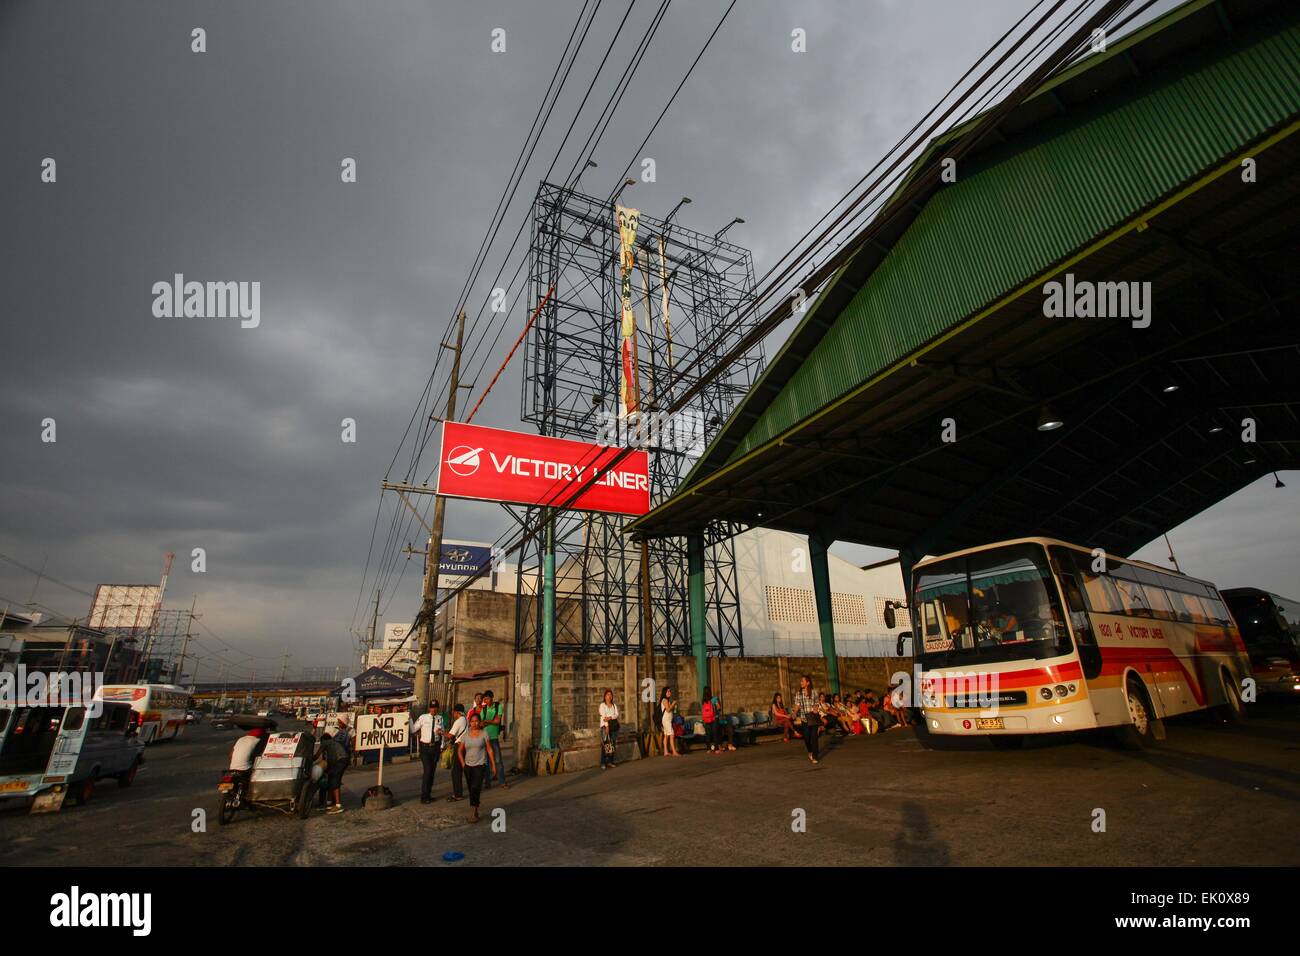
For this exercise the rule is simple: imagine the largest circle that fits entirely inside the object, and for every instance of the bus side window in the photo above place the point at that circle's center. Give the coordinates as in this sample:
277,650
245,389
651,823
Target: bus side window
1181,611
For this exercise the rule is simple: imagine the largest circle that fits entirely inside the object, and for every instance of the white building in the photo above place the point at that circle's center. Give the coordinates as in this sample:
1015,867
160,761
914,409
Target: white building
778,613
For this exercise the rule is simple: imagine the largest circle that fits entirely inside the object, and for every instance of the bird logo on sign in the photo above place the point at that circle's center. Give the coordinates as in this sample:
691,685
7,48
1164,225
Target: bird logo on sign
463,460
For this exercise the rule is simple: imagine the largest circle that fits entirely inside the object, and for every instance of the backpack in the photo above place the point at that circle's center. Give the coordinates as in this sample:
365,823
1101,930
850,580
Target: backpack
707,712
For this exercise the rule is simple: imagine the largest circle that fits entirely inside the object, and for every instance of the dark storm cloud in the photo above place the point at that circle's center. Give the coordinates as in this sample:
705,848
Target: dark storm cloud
224,166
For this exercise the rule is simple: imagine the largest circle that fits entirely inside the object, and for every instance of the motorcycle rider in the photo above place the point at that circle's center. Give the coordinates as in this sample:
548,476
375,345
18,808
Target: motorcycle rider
247,748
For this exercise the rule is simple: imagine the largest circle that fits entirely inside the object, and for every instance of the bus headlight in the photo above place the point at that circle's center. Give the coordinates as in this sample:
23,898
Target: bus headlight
1060,690
1046,693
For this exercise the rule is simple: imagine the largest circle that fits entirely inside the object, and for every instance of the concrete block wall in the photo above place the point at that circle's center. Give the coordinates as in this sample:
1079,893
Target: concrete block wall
744,683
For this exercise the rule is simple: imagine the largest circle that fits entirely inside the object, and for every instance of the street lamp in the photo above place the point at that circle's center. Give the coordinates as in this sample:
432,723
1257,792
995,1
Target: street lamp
735,222
685,200
627,182
591,164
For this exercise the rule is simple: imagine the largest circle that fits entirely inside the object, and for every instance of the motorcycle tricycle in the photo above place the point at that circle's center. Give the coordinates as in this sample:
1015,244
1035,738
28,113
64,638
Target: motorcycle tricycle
280,779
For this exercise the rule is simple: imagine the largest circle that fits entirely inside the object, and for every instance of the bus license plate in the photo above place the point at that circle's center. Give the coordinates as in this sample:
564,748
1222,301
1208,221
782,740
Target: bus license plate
989,723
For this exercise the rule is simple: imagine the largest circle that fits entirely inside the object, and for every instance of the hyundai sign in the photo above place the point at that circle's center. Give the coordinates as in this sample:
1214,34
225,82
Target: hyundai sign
463,559
491,464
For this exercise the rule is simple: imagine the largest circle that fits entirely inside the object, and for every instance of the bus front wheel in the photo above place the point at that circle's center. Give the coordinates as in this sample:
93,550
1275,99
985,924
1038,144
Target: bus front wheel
1139,732
1232,710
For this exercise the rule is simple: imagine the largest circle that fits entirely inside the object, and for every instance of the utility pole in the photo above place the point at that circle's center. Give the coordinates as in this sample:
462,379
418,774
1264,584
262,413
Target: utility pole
427,620
284,664
180,668
374,625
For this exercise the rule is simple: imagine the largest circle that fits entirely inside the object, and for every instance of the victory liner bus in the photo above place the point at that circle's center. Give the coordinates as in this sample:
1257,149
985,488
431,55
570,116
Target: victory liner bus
160,708
1025,637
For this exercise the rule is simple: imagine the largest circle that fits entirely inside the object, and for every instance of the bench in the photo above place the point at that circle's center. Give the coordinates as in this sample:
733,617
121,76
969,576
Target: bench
746,728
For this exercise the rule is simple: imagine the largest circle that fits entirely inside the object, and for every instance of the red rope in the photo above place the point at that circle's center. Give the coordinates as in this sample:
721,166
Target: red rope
519,341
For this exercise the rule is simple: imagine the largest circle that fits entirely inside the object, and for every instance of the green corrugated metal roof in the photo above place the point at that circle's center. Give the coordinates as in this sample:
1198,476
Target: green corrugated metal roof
1005,223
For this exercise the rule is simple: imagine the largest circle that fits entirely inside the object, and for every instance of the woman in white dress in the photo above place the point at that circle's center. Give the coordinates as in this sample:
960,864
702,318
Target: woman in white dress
668,709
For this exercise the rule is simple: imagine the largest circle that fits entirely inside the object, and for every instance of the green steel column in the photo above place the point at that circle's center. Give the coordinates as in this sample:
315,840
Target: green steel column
548,628
821,575
695,569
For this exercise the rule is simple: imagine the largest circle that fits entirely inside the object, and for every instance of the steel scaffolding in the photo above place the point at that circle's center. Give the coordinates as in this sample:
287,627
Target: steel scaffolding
571,390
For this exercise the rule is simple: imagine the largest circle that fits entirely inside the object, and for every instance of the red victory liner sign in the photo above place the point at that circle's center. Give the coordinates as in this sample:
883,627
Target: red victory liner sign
492,464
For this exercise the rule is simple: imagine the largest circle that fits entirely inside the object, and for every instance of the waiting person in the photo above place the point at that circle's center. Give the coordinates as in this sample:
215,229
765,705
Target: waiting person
476,757
807,715
726,725
455,734
893,703
712,727
667,711
781,717
429,733
492,716
343,734
478,706
336,765
884,720
608,729
829,723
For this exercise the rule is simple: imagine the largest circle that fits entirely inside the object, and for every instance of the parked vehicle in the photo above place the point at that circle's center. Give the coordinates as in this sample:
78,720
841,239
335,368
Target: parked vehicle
50,753
281,777
1031,637
1270,626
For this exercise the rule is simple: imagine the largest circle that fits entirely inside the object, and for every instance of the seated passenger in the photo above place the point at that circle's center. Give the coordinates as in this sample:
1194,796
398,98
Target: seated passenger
781,716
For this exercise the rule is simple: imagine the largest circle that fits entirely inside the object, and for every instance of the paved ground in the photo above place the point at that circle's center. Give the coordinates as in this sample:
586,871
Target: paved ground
1211,795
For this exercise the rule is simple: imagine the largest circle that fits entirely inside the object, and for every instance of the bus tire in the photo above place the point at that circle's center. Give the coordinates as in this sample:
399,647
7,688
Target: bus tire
1138,733
1007,741
1232,711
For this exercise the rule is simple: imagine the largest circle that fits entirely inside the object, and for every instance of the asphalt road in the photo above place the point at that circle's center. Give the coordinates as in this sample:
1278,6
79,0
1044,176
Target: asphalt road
1211,795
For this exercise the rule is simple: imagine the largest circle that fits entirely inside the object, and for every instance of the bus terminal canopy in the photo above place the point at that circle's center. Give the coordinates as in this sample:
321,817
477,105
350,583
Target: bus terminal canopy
1158,182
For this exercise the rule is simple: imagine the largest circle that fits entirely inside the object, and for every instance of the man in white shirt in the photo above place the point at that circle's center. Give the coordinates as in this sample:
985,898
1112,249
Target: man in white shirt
459,728
429,732
246,749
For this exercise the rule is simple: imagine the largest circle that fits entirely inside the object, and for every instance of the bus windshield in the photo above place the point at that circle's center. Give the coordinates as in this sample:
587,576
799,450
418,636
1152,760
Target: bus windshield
1263,628
992,606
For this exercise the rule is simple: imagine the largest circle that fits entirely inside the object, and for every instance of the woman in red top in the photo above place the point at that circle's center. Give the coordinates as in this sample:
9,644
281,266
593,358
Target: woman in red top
781,717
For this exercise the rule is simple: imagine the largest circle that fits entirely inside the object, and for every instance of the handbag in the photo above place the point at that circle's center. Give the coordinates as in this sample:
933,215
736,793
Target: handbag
445,759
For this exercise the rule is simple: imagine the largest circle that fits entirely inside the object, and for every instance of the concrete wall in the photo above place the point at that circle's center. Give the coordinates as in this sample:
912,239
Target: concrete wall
484,635
743,683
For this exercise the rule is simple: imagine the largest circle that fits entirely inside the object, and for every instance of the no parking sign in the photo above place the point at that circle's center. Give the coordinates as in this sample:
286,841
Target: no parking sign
377,731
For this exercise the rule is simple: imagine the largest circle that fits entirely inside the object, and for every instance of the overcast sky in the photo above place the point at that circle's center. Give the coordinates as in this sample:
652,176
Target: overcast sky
180,433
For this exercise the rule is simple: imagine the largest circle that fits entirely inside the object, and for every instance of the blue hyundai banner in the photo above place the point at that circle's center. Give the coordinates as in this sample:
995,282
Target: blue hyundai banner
463,559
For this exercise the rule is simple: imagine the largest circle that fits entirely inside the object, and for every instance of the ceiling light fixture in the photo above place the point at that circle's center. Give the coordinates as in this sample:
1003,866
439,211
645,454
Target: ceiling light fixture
1048,420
